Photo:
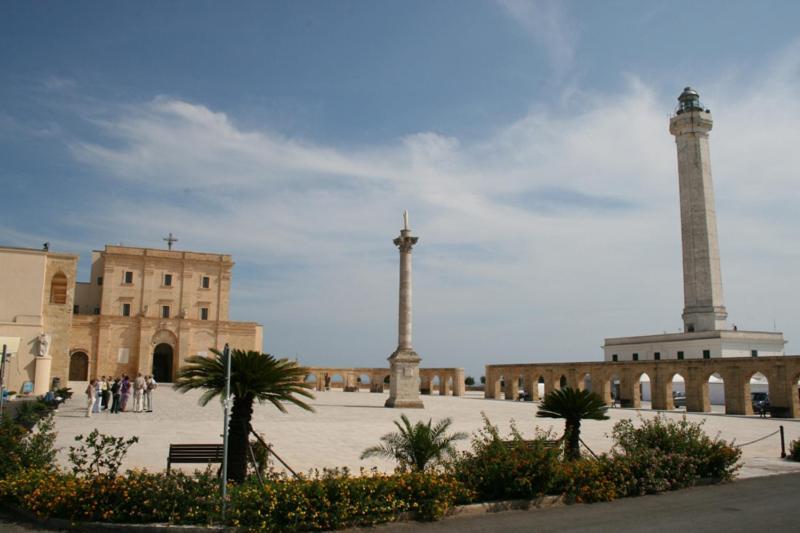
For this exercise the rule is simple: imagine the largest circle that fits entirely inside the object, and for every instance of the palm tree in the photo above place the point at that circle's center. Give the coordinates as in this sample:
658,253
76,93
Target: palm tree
573,405
418,446
254,376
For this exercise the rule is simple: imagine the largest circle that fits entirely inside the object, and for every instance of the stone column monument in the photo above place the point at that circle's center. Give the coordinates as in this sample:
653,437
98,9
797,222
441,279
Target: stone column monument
704,309
404,362
41,379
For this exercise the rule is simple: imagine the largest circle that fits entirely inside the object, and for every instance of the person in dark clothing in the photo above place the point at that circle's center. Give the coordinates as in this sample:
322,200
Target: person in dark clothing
105,385
115,395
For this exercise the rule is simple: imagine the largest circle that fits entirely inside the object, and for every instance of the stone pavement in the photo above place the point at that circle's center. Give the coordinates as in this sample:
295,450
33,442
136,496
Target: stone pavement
346,423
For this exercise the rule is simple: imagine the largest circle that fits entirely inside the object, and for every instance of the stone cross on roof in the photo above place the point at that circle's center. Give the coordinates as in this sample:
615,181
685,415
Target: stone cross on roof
170,240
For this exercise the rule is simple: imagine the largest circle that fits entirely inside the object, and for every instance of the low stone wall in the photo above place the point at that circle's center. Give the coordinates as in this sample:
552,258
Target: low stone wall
445,381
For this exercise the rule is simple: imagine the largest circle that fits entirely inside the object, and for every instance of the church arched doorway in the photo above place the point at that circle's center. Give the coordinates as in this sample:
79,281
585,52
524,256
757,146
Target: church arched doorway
162,363
78,366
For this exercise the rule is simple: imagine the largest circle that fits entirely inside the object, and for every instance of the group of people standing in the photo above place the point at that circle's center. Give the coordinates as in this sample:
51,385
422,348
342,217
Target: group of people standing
113,394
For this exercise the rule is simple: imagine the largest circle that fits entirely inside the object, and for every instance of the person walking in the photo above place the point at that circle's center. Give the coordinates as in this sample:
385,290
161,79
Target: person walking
115,388
138,389
91,397
125,392
149,387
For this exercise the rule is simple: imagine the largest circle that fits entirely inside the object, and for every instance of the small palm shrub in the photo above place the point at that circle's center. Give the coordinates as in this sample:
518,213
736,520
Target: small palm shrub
255,377
573,405
498,469
417,447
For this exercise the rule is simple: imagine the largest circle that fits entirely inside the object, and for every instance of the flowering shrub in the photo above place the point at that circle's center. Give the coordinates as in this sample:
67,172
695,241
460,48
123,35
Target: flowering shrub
330,501
336,500
663,454
137,497
794,450
589,480
496,469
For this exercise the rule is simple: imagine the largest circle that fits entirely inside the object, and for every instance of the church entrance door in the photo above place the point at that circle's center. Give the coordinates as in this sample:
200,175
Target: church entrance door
162,363
79,366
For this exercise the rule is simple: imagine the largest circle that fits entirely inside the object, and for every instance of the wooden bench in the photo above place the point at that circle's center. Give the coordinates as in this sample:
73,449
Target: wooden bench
532,443
194,453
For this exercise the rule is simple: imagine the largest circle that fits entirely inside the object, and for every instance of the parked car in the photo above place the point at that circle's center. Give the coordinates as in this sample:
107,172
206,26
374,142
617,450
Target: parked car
678,399
760,401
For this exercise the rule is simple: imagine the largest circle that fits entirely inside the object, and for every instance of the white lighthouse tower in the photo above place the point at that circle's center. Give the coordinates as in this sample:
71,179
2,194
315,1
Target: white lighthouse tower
702,278
706,333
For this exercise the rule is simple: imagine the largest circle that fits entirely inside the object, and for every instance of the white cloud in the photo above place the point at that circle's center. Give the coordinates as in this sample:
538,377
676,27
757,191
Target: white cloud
548,23
536,242
58,83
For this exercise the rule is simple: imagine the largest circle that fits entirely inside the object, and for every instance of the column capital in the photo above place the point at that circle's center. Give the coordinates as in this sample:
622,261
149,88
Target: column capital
405,241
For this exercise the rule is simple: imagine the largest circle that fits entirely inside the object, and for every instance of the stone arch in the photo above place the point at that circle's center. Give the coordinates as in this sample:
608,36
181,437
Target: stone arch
511,379
58,288
677,396
310,378
641,387
164,336
794,391
337,381
756,388
530,386
163,363
716,390
614,386
447,386
586,381
376,382
497,384
79,366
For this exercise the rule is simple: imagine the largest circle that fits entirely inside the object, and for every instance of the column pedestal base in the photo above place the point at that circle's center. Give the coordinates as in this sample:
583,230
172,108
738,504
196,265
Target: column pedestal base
41,380
404,380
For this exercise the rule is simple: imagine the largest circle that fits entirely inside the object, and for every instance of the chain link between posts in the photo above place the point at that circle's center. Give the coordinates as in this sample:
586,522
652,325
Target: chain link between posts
758,439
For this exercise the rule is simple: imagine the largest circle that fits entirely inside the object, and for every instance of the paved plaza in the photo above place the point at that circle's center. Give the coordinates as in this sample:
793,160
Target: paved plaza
345,423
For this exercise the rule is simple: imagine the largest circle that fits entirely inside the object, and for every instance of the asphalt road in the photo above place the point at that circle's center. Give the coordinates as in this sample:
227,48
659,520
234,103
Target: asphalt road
757,504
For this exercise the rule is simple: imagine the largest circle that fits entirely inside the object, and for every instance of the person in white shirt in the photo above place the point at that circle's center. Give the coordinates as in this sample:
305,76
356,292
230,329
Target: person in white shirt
138,390
149,387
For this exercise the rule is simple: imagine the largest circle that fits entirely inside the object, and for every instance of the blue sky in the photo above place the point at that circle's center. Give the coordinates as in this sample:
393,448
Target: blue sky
528,139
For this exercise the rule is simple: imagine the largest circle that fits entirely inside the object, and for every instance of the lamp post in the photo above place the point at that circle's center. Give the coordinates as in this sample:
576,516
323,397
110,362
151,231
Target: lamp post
226,353
2,379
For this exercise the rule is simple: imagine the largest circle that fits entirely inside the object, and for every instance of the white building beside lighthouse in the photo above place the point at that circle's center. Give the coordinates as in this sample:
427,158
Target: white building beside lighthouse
706,333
